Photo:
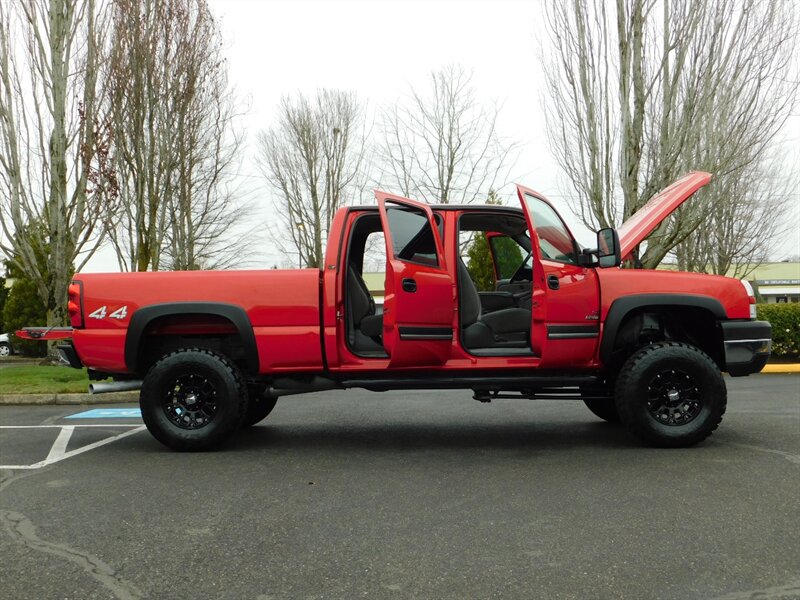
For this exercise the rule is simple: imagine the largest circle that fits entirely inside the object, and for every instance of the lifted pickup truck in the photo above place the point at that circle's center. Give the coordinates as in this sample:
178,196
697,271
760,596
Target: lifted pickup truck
212,351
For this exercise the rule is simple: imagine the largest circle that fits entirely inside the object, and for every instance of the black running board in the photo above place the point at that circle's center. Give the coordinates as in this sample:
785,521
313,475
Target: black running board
488,382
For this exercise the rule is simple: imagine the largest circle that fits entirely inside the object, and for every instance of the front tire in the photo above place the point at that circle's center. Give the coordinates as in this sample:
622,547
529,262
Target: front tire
671,395
193,399
5,350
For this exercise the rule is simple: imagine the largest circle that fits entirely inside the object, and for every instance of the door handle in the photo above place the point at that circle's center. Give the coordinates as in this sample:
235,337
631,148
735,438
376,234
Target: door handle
552,282
409,285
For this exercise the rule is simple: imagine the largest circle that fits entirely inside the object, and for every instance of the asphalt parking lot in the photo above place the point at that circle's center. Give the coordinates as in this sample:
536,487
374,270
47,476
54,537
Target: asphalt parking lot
405,495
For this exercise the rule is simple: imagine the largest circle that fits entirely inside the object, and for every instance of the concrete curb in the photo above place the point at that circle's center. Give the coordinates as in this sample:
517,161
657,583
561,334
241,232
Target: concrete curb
70,399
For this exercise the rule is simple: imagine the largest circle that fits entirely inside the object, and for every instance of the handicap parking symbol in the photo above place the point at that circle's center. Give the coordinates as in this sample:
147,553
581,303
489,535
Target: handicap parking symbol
108,413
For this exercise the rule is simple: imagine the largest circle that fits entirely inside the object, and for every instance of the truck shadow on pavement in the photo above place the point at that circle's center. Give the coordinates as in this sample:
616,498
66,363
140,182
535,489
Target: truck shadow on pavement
394,437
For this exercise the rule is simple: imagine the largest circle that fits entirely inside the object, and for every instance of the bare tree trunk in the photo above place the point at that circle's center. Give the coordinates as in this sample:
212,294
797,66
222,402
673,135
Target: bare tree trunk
57,186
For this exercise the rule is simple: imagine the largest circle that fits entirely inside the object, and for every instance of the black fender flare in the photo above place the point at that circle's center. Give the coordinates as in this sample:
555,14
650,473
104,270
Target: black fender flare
146,315
621,307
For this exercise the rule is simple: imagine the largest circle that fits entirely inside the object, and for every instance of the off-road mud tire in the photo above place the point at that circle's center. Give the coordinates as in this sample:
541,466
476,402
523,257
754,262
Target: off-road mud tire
220,387
646,405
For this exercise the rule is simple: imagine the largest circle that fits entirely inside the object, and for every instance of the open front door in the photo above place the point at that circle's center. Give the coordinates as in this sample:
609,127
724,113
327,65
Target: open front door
420,295
566,296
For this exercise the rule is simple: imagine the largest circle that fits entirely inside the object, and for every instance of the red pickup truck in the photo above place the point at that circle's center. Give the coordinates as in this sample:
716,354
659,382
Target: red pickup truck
212,351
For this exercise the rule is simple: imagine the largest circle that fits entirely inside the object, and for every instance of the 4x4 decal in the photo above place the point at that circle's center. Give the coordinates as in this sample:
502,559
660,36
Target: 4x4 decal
101,313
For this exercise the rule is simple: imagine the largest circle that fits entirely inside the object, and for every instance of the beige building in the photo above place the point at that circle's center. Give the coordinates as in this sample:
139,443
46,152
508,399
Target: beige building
375,283
777,282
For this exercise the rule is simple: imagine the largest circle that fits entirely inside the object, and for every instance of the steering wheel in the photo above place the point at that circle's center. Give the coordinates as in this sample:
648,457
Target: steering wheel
517,276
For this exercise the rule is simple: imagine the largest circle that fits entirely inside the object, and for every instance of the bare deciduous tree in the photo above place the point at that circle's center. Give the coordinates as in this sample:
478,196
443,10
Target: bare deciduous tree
640,91
175,144
743,223
55,178
442,146
312,160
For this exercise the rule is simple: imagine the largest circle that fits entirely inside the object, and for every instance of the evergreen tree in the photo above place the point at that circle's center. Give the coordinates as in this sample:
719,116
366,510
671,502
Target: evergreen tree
479,258
479,263
508,254
23,307
3,297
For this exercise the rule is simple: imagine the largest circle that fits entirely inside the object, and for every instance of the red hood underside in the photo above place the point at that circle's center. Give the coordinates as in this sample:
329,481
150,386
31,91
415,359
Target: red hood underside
658,208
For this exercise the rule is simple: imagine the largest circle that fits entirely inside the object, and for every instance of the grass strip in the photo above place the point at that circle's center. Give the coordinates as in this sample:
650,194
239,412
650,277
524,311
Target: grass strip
31,379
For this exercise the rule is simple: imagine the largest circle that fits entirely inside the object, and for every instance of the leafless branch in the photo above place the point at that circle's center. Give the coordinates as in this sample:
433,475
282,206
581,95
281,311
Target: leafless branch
639,92
176,145
56,181
312,159
442,145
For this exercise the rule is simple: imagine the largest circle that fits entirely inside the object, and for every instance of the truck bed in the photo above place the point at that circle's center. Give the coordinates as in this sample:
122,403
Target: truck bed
282,306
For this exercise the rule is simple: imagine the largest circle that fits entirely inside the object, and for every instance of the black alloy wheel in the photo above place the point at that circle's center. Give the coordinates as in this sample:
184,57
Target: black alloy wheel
673,397
192,402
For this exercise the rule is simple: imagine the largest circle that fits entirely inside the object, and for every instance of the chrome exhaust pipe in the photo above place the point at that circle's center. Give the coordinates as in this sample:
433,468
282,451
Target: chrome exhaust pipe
117,386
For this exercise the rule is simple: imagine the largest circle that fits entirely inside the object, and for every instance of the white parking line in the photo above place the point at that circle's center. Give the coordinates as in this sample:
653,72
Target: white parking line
58,451
59,448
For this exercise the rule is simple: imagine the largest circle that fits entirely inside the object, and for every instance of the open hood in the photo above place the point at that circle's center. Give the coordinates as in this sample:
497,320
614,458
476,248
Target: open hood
658,208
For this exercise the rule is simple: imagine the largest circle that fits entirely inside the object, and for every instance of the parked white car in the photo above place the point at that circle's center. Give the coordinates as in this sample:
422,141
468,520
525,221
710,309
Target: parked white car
5,345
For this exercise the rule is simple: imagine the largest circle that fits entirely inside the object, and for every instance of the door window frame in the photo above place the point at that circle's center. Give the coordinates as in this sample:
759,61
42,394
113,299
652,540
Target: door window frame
575,248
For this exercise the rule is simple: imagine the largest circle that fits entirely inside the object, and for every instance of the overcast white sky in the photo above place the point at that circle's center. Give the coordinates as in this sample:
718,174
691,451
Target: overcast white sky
377,48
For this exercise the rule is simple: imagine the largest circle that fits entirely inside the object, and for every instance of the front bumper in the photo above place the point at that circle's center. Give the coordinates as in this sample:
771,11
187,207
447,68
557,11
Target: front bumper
747,346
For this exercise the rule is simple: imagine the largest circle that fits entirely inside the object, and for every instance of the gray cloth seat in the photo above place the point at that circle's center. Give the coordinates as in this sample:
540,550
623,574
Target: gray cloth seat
508,320
362,307
508,327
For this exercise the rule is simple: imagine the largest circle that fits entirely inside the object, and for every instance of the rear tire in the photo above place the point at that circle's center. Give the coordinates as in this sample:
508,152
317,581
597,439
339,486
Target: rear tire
193,399
5,350
671,395
605,409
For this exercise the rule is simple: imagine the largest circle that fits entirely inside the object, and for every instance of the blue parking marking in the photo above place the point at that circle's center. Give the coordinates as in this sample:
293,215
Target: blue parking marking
108,413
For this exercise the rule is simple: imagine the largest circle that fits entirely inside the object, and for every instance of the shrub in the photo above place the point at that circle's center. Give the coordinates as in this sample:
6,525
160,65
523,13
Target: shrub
24,308
785,321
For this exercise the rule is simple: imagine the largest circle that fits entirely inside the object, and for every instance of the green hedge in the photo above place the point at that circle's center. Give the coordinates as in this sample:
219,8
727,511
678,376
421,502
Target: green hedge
785,321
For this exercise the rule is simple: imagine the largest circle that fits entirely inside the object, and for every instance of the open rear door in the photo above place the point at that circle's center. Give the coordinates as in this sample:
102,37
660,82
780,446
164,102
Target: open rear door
420,295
